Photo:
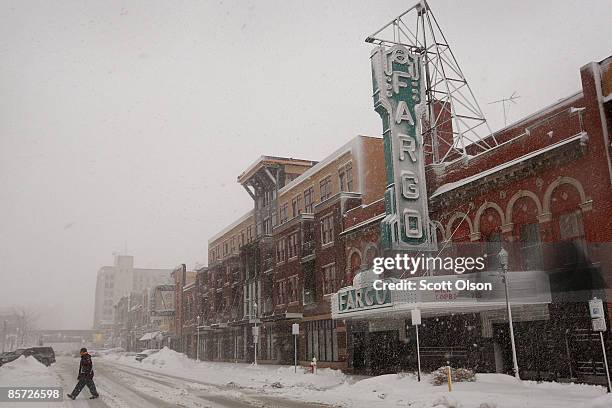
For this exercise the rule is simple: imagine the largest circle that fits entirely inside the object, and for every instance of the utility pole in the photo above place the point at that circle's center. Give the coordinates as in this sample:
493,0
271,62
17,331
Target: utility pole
503,260
295,330
255,331
198,339
416,320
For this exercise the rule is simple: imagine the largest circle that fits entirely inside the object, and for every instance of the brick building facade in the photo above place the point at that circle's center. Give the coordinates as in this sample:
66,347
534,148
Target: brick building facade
544,193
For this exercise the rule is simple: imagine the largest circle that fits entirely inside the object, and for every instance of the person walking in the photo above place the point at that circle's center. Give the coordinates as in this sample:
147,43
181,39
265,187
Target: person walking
85,377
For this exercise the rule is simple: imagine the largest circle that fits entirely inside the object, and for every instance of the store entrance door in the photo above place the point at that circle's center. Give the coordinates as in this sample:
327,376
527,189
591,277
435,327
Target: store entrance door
384,351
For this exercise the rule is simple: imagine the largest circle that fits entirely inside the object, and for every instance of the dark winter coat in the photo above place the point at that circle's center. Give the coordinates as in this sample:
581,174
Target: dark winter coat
86,367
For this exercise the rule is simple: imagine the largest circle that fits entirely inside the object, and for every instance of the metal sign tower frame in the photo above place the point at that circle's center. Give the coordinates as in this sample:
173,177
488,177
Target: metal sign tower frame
451,104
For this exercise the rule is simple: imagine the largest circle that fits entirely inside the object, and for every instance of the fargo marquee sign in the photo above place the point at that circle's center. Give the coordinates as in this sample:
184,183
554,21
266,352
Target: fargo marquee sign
354,299
398,92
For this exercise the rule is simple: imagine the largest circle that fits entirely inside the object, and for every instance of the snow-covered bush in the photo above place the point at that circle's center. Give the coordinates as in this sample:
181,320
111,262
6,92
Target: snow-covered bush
440,376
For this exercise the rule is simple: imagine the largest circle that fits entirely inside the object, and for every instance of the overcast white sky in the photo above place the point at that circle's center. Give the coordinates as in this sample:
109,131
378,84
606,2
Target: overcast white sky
129,121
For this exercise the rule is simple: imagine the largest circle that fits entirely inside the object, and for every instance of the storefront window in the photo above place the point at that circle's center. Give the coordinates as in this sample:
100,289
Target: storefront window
322,340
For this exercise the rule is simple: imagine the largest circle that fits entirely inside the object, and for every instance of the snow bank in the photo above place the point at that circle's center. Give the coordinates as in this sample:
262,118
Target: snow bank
169,359
234,374
336,388
605,401
26,371
26,363
498,379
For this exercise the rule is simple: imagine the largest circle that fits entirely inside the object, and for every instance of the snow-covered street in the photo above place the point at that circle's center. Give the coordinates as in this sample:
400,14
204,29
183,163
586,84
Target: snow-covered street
122,386
169,379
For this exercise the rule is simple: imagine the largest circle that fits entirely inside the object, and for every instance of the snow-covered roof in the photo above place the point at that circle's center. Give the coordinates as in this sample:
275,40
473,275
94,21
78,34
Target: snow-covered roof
225,230
261,161
346,148
445,188
541,112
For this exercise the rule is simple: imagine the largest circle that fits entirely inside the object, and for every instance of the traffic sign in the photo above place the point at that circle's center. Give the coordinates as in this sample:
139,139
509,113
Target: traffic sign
599,324
416,317
596,308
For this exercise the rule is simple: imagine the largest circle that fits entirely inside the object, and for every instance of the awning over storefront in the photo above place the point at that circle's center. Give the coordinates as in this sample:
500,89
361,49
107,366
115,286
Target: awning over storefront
362,300
283,316
150,336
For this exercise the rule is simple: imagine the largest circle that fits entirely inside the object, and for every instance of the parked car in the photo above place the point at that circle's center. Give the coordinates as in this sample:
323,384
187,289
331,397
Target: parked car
145,353
9,356
45,355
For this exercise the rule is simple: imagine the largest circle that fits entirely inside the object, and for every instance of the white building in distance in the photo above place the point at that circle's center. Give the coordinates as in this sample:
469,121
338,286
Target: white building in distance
119,280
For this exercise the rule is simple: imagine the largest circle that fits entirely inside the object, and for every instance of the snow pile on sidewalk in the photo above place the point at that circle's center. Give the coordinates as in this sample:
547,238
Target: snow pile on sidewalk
489,390
169,359
26,371
605,401
335,388
234,374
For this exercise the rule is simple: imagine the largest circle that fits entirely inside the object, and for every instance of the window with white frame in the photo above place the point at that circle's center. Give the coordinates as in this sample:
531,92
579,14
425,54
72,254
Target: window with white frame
268,197
309,200
267,226
325,188
282,291
280,250
292,245
283,213
296,206
327,230
329,279
345,176
293,289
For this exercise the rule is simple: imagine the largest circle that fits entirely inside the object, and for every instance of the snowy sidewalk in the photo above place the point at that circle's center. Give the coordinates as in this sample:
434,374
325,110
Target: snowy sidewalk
335,388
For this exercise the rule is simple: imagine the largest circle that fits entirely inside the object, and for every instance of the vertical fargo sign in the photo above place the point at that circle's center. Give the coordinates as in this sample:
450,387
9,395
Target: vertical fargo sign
398,92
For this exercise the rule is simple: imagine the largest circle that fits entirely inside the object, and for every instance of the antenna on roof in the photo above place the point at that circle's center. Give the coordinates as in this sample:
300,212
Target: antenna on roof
512,98
454,115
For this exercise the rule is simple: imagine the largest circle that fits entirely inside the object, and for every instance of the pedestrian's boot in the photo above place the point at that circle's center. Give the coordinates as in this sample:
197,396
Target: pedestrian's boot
71,396
94,397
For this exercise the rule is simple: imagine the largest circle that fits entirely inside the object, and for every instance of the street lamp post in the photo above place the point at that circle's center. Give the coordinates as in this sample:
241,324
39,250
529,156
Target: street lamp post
198,339
255,331
503,260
